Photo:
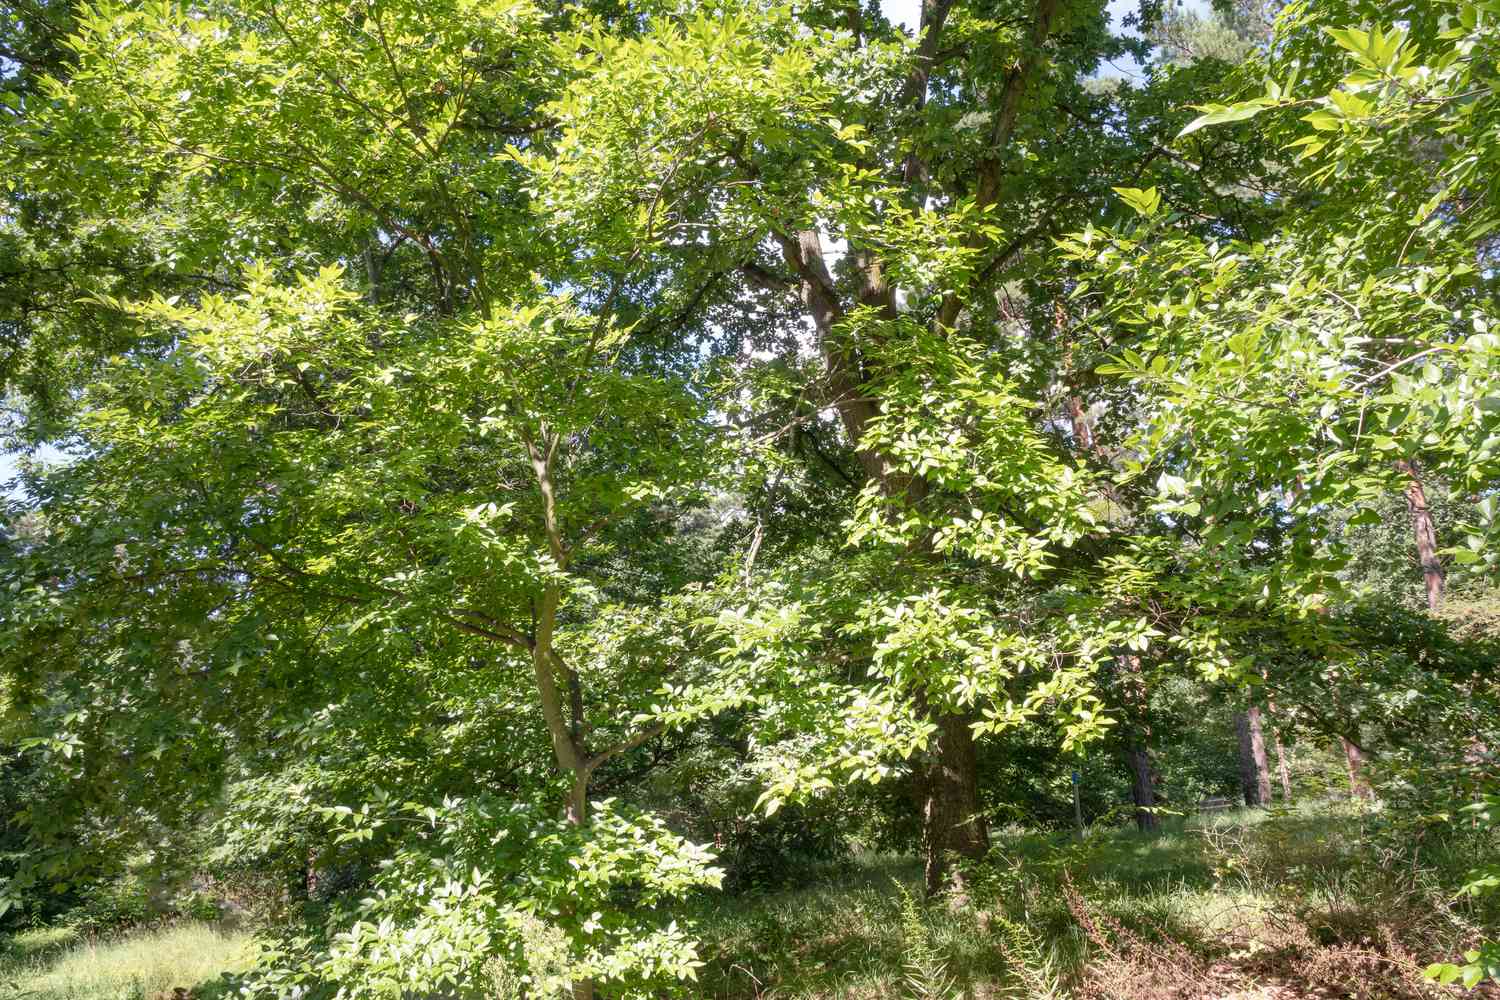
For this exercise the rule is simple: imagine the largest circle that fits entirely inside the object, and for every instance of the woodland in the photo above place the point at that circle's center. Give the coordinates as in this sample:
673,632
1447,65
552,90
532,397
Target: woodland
749,499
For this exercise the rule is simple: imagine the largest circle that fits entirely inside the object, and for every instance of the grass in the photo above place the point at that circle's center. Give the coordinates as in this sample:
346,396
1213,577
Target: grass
1294,902
1249,904
55,964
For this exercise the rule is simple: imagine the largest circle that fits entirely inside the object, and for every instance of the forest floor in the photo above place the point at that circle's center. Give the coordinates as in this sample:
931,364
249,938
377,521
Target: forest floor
1243,905
1234,906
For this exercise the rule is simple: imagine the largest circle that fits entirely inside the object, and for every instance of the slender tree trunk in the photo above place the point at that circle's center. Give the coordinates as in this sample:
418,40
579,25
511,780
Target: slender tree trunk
951,820
1354,762
372,273
1425,534
1143,789
1282,769
578,800
1255,776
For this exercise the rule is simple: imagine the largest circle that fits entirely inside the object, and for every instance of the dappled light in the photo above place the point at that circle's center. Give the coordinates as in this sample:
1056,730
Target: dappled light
619,501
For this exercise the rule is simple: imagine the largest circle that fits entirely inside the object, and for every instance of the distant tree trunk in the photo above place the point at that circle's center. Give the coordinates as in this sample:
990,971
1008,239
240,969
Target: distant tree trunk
1255,776
305,881
952,823
372,273
1143,789
1426,536
1282,769
1354,761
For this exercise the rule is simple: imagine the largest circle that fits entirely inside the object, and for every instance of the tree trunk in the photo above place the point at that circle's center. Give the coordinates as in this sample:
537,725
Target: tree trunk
372,273
1354,761
1426,536
1282,769
1255,776
951,814
1143,789
1137,701
578,799
951,820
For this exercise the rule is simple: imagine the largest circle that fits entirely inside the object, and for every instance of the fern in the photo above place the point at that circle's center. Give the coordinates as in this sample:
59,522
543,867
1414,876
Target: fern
926,976
1033,967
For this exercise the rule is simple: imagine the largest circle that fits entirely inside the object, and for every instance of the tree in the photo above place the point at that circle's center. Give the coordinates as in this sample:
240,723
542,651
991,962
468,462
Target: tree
1255,775
540,382
424,476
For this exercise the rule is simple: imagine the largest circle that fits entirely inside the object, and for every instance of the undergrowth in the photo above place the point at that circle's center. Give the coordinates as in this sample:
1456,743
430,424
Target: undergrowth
1313,902
1322,901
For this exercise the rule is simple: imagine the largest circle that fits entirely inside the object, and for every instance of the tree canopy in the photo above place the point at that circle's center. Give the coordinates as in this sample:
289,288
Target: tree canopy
468,406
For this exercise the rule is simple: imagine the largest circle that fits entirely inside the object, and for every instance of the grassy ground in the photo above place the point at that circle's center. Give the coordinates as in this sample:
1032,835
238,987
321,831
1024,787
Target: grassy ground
1237,906
1242,905
55,964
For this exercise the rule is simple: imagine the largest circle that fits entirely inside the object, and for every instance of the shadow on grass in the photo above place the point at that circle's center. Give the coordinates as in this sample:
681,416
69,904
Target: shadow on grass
1176,889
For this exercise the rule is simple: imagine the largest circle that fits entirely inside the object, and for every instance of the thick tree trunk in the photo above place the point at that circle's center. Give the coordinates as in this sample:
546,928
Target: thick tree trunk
1143,789
1255,775
1354,761
1426,536
1137,700
951,820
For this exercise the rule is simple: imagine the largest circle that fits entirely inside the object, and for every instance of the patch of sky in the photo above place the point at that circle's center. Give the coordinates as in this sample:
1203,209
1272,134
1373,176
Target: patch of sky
907,13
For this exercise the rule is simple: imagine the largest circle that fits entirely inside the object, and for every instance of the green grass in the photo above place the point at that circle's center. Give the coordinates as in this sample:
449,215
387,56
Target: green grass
55,964
1247,897
1296,899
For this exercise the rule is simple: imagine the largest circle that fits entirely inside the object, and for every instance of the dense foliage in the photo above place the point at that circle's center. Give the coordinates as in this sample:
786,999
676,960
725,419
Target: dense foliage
518,467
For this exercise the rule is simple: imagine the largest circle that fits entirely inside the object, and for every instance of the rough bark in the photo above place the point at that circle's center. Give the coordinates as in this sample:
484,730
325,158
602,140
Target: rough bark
1425,534
1354,762
951,820
1143,789
1136,699
1255,775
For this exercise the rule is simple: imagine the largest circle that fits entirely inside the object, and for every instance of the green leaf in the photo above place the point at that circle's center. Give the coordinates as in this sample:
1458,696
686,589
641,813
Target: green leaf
1220,114
1143,202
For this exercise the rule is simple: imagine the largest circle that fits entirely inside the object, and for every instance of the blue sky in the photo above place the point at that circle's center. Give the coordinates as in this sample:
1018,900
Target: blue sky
907,11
